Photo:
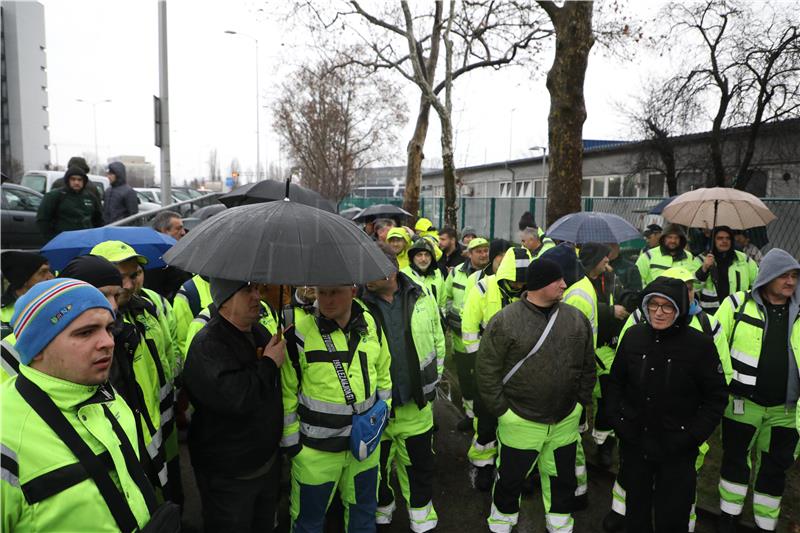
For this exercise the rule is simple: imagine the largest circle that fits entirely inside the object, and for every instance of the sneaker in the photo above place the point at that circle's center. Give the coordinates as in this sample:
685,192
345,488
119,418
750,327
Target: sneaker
727,523
465,424
613,522
485,478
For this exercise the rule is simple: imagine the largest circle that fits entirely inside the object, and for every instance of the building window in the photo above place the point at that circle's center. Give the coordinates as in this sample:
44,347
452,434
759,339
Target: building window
586,187
505,189
523,189
656,185
540,188
598,187
614,187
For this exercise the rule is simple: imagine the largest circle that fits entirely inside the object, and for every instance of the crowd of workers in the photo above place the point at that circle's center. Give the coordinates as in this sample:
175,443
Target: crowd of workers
101,371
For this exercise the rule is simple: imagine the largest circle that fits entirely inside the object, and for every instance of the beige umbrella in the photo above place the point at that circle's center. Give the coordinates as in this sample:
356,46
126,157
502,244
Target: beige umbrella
718,206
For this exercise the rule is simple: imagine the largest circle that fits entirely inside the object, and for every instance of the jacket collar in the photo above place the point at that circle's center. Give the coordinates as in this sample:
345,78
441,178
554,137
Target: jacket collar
357,321
65,394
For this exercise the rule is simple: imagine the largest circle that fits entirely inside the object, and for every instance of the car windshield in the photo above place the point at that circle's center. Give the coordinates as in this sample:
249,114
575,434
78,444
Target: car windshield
181,195
37,182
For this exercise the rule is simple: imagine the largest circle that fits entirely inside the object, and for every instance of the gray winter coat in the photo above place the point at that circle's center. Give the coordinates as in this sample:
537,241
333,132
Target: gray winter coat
119,200
548,385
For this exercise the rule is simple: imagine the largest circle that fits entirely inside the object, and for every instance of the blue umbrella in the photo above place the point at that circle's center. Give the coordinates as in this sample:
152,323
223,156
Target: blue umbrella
68,245
582,227
659,207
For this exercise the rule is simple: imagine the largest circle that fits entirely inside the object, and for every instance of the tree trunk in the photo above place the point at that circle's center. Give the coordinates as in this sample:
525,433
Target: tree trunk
415,157
667,154
717,179
449,175
574,40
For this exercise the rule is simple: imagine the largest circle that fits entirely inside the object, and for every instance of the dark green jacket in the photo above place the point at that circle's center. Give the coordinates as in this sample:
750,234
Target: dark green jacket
550,383
64,210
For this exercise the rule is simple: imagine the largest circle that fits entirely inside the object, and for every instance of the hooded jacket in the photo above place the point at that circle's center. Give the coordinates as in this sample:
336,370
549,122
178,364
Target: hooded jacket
119,200
666,391
402,257
65,209
432,279
655,260
744,318
491,294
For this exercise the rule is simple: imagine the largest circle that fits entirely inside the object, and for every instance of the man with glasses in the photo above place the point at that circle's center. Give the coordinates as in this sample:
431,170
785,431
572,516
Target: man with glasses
665,396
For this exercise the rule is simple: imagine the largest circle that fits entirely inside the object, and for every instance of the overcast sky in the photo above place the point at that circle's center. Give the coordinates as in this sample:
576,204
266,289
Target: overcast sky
108,49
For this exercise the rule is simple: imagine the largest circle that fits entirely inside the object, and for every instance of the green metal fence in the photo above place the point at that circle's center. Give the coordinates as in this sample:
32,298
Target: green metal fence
498,217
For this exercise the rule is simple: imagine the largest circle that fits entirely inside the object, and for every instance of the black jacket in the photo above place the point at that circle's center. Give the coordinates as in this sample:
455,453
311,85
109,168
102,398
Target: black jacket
119,200
238,417
666,392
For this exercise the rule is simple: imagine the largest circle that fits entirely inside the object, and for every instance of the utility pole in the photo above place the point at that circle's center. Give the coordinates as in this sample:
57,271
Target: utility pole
163,111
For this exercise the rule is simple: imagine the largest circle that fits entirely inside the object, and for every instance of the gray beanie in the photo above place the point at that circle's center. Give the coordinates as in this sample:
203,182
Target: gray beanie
223,289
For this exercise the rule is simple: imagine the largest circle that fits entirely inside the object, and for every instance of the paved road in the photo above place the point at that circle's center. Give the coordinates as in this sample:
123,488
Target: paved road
461,508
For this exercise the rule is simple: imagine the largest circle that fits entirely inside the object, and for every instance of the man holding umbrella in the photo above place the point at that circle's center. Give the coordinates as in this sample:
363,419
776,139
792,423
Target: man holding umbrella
670,252
723,271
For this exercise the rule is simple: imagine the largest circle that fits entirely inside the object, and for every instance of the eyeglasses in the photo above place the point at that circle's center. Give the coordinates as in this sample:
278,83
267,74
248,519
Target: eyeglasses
667,309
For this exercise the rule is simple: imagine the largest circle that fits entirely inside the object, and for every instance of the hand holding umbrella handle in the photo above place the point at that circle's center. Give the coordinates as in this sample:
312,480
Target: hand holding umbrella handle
275,350
708,262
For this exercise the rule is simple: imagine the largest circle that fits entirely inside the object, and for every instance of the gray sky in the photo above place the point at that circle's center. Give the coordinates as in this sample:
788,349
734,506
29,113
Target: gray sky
108,49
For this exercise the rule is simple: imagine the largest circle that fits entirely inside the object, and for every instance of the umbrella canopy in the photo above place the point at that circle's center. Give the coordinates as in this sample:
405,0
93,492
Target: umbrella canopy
68,245
718,206
281,243
585,227
381,211
659,207
271,190
350,213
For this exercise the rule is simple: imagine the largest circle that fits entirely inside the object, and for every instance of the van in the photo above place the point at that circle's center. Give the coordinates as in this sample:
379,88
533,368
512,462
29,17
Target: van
42,180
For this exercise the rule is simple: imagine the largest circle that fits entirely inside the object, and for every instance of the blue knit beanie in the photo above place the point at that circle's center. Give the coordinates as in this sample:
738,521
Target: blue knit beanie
47,309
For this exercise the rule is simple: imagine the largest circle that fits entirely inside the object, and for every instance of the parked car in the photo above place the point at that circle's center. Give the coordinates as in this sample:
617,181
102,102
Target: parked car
145,202
19,207
42,180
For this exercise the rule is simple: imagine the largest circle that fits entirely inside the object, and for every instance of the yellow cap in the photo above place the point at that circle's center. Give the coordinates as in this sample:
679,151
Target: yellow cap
679,273
117,252
423,224
477,241
398,233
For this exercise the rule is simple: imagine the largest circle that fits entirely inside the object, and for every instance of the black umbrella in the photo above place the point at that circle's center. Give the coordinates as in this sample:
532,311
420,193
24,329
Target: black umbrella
659,207
381,211
281,243
350,212
271,190
208,211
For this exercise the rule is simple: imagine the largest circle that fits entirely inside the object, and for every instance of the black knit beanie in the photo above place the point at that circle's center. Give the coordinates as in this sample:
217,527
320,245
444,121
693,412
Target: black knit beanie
497,247
18,267
94,270
542,273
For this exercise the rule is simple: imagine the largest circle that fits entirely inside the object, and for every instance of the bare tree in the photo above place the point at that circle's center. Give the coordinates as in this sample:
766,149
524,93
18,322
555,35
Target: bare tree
657,117
335,121
476,34
749,62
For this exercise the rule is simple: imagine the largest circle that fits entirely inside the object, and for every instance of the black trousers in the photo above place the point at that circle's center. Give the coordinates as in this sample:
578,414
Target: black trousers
665,487
465,368
240,505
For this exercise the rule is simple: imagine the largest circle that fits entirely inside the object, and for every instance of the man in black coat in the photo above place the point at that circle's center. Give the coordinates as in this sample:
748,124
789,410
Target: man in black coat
666,393
233,381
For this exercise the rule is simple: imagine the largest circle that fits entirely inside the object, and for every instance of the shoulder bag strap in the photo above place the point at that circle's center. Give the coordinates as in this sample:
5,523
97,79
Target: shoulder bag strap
535,348
52,416
341,373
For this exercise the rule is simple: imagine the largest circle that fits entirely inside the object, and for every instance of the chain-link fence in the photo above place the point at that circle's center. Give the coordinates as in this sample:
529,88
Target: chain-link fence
499,217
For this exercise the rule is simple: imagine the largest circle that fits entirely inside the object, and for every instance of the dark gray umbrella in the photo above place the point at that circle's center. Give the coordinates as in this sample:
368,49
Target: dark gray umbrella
208,211
281,243
381,211
579,228
271,190
350,212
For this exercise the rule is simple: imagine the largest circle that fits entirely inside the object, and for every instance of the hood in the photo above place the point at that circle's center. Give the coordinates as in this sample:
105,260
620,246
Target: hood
775,263
118,169
564,254
422,245
673,290
673,229
514,266
75,171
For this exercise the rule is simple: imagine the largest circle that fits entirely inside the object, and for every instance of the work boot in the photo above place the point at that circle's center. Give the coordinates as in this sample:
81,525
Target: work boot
613,522
485,478
605,453
465,424
727,523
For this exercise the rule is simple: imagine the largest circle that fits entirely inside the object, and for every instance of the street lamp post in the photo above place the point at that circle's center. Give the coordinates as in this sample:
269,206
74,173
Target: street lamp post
94,104
258,106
